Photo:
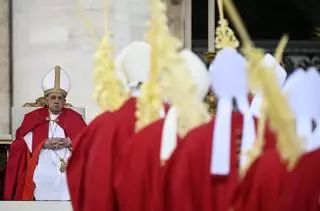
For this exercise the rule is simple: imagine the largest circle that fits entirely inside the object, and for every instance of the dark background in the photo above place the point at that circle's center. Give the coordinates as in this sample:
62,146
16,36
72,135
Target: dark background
265,19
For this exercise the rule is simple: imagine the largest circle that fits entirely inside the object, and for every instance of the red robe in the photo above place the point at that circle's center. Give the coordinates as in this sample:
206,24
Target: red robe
140,175
263,182
262,185
301,190
92,167
189,185
77,163
91,172
21,163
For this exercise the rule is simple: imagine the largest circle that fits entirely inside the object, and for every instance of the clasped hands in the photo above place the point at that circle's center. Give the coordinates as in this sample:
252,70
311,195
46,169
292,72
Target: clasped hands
57,143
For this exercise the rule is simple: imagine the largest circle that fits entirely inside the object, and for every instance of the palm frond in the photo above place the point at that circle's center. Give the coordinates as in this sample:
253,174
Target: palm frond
316,32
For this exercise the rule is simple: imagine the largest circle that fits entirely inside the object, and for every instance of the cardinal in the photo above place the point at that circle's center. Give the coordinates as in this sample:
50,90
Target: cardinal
92,167
139,180
39,155
302,188
203,171
261,186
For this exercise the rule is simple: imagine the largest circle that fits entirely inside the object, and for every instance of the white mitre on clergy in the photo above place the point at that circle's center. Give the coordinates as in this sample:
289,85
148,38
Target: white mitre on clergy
281,73
198,71
229,81
133,62
299,96
269,61
56,80
313,80
200,76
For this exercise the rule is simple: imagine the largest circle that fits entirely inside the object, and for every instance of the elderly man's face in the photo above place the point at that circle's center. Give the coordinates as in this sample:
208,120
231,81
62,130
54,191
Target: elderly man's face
55,102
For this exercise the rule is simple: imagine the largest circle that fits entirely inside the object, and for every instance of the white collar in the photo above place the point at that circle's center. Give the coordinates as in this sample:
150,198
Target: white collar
53,116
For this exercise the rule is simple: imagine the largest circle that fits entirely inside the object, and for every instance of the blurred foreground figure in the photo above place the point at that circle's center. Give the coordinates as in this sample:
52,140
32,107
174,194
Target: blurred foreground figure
93,164
142,168
301,191
39,156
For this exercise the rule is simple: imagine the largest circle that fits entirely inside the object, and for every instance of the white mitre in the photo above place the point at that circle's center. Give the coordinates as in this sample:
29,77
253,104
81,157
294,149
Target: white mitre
269,61
56,80
198,71
201,78
133,62
229,81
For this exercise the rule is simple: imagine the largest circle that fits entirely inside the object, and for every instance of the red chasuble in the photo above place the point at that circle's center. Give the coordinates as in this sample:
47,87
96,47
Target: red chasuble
21,163
302,188
263,182
76,171
91,180
262,185
189,185
140,175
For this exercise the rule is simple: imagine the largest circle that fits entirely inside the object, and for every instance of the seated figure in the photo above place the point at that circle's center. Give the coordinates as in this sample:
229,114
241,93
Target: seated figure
38,156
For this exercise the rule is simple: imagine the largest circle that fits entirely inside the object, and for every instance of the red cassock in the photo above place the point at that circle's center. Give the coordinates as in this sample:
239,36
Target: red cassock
92,166
140,175
263,182
76,172
189,185
21,163
302,188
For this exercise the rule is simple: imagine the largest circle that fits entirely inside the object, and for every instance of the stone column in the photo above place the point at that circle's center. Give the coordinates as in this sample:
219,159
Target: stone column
211,25
4,67
177,16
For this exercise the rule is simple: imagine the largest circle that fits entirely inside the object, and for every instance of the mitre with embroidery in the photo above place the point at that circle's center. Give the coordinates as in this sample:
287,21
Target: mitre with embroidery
56,80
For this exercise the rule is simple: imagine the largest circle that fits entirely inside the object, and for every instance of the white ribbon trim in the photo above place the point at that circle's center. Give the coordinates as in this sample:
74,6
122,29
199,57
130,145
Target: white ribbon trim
312,142
169,135
162,112
304,127
256,104
134,88
221,144
248,130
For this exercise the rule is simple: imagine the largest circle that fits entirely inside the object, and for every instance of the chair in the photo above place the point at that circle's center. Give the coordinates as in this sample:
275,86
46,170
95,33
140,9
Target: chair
19,112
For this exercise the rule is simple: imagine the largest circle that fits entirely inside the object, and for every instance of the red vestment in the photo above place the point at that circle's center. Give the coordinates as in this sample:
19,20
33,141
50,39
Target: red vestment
263,182
189,185
140,175
91,182
21,163
78,160
301,190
